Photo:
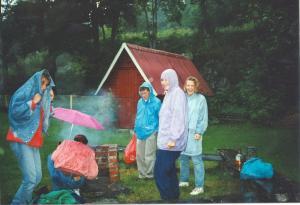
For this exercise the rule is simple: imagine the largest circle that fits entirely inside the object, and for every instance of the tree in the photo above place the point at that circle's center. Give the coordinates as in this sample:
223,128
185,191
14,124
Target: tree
247,50
172,9
110,12
3,75
3,64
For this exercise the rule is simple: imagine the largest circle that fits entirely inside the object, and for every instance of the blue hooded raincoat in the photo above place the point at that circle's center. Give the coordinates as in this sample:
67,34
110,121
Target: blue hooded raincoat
146,121
197,123
23,121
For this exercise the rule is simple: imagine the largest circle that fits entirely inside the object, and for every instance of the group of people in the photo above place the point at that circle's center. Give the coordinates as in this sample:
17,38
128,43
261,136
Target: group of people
165,131
170,130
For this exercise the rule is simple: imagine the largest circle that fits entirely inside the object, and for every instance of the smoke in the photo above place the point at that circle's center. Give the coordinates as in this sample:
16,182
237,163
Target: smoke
102,107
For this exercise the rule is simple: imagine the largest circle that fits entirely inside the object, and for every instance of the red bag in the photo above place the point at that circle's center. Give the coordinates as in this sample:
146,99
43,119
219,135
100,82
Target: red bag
130,151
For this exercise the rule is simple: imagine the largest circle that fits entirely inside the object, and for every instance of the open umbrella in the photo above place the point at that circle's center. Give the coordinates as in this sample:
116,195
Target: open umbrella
76,118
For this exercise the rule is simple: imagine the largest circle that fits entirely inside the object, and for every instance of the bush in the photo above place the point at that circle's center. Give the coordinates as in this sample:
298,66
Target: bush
32,61
70,75
24,68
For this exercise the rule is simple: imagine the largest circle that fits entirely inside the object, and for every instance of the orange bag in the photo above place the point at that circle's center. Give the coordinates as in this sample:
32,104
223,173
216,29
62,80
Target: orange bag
130,151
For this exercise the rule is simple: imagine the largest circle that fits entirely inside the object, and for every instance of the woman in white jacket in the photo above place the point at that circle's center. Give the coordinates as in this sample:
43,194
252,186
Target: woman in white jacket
197,124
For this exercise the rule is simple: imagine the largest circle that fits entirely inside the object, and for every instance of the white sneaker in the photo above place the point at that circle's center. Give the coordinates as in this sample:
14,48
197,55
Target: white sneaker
183,184
197,190
77,191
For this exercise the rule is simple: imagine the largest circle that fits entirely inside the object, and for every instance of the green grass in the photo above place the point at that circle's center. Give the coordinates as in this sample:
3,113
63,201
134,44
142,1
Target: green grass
217,183
280,146
276,145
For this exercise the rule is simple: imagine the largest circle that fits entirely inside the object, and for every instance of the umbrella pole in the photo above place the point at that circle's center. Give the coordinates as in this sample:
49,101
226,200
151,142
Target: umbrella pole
71,131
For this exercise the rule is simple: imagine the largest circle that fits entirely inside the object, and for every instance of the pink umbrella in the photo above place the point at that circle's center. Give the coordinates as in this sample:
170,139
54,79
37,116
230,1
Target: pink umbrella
77,118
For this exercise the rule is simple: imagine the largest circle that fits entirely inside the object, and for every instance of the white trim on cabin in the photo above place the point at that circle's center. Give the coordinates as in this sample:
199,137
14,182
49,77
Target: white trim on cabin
112,65
110,68
139,67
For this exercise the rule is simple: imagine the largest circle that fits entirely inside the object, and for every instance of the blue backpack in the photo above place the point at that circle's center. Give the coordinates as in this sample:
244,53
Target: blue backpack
255,168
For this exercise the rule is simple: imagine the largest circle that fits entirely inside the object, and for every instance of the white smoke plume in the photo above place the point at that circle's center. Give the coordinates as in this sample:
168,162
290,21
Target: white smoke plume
102,107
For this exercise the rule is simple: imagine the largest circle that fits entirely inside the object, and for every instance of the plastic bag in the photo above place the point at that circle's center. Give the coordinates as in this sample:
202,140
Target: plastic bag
130,151
255,168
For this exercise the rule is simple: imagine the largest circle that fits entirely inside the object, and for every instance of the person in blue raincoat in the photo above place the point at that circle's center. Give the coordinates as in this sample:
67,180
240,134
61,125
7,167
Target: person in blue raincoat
145,128
197,124
28,114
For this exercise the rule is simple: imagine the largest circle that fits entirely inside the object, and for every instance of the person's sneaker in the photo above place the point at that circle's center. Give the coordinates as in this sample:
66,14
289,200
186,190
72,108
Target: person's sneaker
197,190
141,177
183,184
149,177
77,191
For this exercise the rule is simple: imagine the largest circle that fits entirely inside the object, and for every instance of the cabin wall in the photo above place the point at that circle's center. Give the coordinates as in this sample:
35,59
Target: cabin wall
124,82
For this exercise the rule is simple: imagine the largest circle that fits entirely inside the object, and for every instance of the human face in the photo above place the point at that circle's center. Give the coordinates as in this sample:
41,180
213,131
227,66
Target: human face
145,94
45,83
190,87
165,84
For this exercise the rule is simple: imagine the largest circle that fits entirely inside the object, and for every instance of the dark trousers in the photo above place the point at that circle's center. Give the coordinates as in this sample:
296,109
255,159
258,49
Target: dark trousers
165,174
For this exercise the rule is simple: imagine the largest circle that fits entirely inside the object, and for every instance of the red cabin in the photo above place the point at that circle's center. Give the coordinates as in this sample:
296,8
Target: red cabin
132,66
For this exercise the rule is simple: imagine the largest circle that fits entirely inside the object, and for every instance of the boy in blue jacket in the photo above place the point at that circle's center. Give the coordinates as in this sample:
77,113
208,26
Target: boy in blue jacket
145,128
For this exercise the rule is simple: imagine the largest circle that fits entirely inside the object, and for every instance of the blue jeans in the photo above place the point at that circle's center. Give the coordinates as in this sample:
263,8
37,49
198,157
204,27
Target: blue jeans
30,164
165,174
198,169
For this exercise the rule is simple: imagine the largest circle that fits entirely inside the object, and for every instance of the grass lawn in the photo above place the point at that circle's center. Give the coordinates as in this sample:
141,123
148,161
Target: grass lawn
280,146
